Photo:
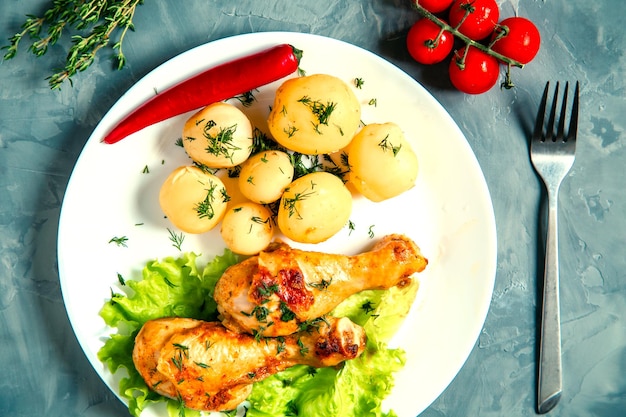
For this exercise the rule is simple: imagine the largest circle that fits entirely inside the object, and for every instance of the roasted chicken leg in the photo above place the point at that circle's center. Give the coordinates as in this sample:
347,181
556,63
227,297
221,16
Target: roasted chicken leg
211,368
273,293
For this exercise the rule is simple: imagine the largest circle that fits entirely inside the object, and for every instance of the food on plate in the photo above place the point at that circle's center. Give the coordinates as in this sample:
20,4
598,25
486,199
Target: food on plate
211,86
273,293
314,203
382,163
192,199
208,367
315,114
265,176
247,228
314,207
218,136
183,287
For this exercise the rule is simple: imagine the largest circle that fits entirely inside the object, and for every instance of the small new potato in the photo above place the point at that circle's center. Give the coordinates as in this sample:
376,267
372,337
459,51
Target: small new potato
218,136
382,163
316,114
193,200
264,176
314,208
247,228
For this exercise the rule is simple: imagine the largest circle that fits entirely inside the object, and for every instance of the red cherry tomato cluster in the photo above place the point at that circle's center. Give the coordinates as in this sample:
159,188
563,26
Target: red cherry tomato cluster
488,42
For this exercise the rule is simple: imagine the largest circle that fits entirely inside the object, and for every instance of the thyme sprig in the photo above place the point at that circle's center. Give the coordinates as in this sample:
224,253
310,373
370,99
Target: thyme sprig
92,24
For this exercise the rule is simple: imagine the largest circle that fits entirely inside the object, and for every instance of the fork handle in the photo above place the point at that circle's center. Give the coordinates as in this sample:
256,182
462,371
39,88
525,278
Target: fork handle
549,384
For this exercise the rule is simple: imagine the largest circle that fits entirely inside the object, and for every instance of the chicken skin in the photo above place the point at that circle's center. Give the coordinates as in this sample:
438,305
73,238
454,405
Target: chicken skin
273,293
208,367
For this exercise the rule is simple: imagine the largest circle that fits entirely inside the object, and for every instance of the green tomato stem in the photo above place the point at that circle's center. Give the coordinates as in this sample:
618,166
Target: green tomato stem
469,42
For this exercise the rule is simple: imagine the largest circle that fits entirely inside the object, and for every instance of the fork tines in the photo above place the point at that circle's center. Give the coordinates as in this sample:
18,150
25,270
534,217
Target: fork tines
559,134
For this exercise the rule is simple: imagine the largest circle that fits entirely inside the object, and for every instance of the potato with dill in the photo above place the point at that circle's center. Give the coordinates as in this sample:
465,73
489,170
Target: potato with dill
193,200
218,136
247,228
314,208
315,114
265,175
382,163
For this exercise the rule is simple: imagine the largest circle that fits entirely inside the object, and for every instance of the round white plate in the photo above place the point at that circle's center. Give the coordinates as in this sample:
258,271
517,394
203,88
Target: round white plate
113,192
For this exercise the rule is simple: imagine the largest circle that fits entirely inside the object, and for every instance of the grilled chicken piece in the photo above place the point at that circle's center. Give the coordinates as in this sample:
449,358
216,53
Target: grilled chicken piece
273,293
211,368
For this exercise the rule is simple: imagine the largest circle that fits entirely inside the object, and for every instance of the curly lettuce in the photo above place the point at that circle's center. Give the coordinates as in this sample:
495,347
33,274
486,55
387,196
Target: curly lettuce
178,287
172,287
359,387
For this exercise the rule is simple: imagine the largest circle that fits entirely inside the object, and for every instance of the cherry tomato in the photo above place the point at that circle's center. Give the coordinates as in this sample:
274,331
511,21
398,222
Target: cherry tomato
427,44
435,6
481,20
519,39
474,72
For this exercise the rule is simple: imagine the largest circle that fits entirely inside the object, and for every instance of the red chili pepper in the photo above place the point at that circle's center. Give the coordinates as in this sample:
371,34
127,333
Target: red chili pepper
215,84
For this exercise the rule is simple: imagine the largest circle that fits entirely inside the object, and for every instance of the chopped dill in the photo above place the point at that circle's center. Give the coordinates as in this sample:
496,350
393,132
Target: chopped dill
222,143
320,110
177,240
205,207
290,203
119,241
386,145
246,99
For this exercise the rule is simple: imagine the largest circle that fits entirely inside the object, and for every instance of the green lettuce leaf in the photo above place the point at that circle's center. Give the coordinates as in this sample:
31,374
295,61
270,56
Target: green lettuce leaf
172,287
360,385
380,312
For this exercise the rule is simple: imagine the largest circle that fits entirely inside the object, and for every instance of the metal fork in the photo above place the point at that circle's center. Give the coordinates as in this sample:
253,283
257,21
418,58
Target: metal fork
552,154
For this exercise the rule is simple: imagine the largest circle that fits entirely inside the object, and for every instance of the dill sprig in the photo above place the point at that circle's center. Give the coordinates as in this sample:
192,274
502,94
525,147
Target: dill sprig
119,241
92,24
177,240
320,110
205,208
221,144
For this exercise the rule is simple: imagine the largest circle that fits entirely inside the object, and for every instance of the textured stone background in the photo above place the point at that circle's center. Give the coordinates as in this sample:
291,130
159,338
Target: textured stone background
42,133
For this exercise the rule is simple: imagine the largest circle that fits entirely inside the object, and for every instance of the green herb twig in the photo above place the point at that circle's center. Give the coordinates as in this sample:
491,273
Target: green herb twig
93,23
177,240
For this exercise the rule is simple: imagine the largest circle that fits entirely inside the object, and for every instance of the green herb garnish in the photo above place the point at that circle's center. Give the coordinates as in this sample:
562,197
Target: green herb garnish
93,25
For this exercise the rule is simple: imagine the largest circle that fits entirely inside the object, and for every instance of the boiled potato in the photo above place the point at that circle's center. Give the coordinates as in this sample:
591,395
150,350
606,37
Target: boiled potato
382,163
218,136
193,200
247,228
314,115
314,208
264,176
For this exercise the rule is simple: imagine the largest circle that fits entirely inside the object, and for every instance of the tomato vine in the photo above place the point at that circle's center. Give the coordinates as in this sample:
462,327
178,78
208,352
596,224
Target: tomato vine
459,11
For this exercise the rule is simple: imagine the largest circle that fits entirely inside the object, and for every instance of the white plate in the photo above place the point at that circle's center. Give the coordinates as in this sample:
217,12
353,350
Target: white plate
448,213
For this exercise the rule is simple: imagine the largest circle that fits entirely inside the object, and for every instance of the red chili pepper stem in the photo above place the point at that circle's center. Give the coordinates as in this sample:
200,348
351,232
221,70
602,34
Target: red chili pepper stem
210,86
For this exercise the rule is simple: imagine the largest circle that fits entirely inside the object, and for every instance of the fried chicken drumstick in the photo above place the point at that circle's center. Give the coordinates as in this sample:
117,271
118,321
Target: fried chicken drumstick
272,293
208,367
